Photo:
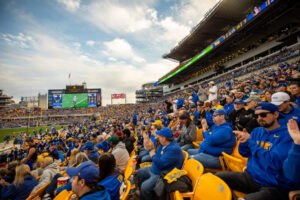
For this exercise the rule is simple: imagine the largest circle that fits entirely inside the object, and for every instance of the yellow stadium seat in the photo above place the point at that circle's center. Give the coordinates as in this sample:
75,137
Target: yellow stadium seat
64,195
195,170
124,195
128,173
186,157
39,192
294,195
200,138
177,196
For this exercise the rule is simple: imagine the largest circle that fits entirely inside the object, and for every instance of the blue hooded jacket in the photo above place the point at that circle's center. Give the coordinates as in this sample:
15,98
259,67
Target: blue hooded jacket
179,103
291,165
266,152
168,158
208,117
21,192
228,108
112,185
99,193
293,114
217,140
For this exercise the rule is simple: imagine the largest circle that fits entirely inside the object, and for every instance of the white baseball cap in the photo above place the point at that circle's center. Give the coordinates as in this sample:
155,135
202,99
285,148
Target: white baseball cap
211,82
279,98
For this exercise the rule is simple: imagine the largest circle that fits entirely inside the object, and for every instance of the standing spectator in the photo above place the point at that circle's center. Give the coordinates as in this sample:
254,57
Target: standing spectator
179,102
201,94
212,92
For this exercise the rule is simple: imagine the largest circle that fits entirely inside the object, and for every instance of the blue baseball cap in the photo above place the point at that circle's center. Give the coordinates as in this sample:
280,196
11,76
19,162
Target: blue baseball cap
220,112
86,170
281,85
240,101
89,146
166,132
151,120
267,106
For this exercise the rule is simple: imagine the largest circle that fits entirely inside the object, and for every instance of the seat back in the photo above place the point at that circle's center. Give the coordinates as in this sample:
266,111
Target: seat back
128,172
236,152
199,135
64,195
194,169
125,192
234,164
39,192
211,187
186,157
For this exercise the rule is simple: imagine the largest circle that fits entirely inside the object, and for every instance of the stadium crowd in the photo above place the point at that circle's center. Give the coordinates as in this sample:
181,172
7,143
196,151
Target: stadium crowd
259,116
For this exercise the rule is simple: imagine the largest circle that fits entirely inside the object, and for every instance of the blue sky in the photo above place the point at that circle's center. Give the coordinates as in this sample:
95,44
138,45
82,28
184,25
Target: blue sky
113,45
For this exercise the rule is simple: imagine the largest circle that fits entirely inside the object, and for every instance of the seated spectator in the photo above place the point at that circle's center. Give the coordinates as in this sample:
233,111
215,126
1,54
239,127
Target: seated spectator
188,133
165,158
50,169
229,104
234,115
295,91
248,120
119,151
91,152
84,182
268,96
216,104
21,187
128,140
72,159
218,139
291,165
281,87
109,176
102,144
31,154
286,110
266,148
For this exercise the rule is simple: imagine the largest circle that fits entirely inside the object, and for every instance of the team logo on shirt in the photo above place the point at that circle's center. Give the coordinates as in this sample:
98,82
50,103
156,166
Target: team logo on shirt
265,145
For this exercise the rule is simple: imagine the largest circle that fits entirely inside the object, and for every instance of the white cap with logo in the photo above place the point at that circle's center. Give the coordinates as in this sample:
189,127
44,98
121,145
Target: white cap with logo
279,98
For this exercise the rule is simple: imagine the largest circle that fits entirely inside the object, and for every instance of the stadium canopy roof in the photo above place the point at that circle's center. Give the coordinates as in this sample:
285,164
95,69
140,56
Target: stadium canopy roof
226,15
217,21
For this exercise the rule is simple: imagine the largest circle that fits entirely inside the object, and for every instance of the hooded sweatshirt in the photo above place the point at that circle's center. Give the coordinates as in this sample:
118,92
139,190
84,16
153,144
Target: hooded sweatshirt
47,175
266,152
121,155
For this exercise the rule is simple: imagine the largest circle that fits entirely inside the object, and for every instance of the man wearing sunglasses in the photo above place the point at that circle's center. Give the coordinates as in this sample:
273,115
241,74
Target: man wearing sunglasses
286,109
266,148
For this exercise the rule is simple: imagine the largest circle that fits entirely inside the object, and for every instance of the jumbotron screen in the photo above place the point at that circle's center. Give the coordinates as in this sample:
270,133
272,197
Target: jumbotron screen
59,98
75,100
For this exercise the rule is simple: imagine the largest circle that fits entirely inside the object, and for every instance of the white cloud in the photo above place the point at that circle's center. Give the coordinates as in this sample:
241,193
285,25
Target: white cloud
71,5
20,40
90,43
120,48
115,17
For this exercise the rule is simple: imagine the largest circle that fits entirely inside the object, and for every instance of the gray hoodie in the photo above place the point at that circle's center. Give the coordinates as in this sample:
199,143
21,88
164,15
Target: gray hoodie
49,172
121,155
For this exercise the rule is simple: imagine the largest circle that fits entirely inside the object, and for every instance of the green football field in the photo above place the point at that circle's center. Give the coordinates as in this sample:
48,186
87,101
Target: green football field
10,131
79,100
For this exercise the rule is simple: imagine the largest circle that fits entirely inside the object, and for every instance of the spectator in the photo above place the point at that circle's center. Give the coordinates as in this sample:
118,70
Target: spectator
109,176
119,151
188,133
218,139
229,104
84,182
102,144
128,140
234,115
268,96
248,119
179,101
21,187
31,154
286,110
91,152
49,170
292,163
295,91
165,158
212,92
266,148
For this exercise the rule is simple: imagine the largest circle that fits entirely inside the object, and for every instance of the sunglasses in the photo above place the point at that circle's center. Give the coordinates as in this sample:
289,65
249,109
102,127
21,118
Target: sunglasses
264,114
214,115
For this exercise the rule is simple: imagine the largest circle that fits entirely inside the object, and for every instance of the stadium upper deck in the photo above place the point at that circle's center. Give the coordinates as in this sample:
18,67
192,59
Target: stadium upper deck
260,21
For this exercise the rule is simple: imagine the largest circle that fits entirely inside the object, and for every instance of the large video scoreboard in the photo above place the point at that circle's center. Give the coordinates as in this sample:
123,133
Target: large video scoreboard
74,97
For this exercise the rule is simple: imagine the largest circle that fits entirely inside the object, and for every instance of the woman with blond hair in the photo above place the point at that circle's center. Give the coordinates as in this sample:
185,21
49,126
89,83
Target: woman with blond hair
21,187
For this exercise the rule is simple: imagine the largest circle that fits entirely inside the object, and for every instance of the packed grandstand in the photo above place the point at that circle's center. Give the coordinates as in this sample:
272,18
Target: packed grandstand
227,126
